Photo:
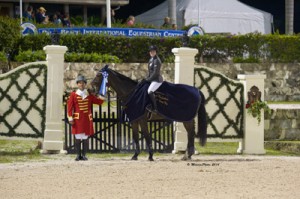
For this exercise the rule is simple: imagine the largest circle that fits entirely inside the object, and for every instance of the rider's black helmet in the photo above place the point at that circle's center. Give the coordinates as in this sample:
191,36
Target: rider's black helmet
153,47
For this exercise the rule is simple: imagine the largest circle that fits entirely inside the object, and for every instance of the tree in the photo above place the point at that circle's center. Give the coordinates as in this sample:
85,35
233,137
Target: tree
10,33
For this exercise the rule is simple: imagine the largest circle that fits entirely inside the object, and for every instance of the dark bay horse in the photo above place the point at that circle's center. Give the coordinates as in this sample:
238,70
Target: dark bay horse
124,86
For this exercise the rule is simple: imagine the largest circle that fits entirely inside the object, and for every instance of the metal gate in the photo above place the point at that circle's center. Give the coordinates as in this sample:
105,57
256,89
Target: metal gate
112,134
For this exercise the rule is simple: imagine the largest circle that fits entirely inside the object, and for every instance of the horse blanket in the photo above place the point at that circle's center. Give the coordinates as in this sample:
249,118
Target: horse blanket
176,102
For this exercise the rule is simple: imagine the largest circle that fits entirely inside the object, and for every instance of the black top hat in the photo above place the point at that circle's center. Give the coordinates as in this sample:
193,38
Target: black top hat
80,78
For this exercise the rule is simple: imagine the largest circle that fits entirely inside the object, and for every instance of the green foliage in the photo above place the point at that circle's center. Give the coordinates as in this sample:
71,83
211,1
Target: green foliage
248,48
229,148
40,55
19,151
223,148
255,108
92,57
3,57
245,60
31,56
10,33
35,42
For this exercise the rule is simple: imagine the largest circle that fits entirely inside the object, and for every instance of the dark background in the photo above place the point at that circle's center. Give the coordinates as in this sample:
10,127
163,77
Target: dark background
275,7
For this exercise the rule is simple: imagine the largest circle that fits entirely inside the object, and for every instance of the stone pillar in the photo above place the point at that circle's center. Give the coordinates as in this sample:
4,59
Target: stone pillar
53,135
184,74
253,142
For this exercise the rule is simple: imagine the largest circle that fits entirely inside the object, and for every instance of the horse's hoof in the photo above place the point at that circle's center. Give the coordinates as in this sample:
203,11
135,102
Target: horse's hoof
185,158
134,158
150,159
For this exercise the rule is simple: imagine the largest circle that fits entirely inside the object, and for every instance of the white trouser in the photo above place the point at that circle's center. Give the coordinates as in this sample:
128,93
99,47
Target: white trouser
154,86
81,136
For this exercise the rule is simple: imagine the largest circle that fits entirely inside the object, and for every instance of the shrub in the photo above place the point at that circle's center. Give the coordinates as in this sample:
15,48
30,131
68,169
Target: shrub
93,57
3,57
31,56
253,47
10,33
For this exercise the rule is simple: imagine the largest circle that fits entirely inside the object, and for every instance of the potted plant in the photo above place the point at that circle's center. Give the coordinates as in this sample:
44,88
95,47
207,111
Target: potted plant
254,108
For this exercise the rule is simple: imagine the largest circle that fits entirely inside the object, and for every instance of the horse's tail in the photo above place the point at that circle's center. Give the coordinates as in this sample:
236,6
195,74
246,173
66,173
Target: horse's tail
202,124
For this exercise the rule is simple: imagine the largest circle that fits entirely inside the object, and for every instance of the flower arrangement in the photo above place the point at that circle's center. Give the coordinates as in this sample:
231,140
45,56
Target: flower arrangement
254,108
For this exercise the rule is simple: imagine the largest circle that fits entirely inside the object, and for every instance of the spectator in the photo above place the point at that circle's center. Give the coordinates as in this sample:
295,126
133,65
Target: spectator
167,23
41,15
46,20
66,20
112,15
113,20
130,20
56,20
28,14
174,26
33,15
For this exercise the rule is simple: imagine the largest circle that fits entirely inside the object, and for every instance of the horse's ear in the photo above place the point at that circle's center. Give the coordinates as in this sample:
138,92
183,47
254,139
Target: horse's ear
104,68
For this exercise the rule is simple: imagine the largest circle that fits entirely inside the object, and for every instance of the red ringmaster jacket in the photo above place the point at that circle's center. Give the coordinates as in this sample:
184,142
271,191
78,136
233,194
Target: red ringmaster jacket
79,111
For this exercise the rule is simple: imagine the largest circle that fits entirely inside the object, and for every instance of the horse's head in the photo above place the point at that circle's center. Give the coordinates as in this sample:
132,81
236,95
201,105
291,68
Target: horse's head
97,81
121,84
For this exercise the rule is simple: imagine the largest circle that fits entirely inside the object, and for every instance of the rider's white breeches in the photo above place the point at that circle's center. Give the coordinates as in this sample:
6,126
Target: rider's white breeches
154,86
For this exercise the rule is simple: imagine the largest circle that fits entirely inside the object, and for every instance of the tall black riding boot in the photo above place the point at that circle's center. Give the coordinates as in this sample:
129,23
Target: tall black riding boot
154,105
85,148
78,149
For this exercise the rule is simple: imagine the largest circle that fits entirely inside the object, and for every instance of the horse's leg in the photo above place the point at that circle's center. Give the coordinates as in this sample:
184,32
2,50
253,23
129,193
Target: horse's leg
144,128
190,128
135,131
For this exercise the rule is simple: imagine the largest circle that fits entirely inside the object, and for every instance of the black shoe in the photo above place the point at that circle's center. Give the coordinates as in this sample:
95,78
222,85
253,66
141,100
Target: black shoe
84,158
153,100
78,158
85,148
78,149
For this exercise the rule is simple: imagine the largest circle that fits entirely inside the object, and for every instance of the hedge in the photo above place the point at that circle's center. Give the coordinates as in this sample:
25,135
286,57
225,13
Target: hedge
253,47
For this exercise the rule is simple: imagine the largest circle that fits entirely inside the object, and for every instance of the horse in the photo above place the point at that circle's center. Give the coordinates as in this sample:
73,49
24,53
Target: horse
124,87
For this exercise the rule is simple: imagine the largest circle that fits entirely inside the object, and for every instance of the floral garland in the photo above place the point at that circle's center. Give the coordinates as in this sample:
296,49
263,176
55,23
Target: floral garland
254,108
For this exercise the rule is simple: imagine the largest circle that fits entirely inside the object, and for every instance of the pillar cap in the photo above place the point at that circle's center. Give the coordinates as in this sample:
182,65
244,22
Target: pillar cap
185,51
55,49
251,76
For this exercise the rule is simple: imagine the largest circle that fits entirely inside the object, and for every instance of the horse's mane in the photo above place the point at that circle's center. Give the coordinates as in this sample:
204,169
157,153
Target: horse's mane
122,77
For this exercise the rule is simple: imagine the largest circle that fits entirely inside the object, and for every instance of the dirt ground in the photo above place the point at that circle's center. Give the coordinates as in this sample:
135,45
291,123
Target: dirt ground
234,176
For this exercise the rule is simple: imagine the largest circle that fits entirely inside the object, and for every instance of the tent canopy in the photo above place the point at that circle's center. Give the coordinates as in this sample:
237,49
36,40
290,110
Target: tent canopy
226,16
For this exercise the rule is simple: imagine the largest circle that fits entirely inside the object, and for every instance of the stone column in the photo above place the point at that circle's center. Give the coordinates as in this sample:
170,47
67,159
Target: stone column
53,135
184,74
253,142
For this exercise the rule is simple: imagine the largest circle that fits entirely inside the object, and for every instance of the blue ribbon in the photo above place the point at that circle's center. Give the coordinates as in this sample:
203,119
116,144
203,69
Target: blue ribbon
103,87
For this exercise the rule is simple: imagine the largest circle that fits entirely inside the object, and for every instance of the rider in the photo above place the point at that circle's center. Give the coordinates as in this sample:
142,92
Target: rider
154,75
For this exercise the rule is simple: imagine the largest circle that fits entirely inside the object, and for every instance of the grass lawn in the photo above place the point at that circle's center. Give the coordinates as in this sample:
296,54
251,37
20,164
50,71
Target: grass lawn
27,150
19,151
230,148
284,102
